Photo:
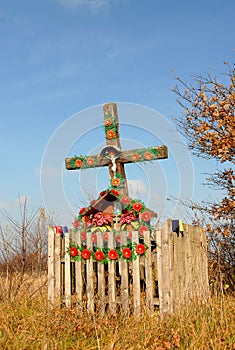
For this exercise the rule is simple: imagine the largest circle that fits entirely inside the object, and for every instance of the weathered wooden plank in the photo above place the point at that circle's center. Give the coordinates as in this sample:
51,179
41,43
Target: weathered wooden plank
148,274
205,266
188,264
90,280
165,269
67,272
124,277
101,279
78,272
51,272
57,270
111,278
136,278
125,157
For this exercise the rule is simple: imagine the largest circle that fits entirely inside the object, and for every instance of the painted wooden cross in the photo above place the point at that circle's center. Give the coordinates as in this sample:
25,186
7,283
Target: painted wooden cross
112,155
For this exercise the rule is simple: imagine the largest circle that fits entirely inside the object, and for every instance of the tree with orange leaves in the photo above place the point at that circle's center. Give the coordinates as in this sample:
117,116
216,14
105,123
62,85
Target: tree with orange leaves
208,123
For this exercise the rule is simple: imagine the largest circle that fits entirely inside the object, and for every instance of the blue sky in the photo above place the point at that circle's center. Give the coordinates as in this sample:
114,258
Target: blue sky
61,57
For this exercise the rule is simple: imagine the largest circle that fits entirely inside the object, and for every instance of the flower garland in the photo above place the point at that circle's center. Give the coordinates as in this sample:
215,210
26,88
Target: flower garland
141,155
110,127
83,162
103,255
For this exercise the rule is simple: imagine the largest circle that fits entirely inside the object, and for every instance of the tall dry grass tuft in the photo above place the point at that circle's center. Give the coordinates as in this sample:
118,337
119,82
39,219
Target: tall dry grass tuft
26,323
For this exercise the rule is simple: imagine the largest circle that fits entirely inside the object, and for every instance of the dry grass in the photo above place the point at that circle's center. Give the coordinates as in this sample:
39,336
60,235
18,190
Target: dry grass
28,324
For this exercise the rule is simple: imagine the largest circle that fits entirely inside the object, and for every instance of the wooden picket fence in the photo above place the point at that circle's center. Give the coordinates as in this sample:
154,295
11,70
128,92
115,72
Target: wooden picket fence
172,273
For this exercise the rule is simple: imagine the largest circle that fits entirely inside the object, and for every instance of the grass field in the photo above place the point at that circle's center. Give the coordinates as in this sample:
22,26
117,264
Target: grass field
26,323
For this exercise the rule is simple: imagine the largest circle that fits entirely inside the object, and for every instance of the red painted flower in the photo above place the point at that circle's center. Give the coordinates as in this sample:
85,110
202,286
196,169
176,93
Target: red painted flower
137,206
74,251
102,193
90,161
135,157
142,230
81,211
83,235
112,254
115,192
78,163
99,255
105,236
76,224
148,155
140,249
115,181
127,253
125,200
108,122
110,134
86,254
94,238
146,216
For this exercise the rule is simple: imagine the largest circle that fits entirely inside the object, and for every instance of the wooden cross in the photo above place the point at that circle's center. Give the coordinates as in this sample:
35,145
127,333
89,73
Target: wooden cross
112,155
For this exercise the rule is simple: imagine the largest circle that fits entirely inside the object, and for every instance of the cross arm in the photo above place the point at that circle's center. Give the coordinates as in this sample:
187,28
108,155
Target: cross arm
131,156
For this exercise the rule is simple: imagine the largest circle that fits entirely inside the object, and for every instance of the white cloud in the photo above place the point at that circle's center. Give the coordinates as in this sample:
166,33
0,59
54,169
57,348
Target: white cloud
137,188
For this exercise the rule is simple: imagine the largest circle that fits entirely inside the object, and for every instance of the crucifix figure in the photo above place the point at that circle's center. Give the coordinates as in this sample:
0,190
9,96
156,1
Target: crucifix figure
112,155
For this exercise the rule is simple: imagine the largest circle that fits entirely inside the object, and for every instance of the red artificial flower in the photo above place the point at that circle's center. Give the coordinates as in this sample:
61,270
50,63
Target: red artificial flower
115,192
137,206
146,216
102,193
94,238
81,211
148,155
135,157
110,134
140,249
127,253
127,217
99,255
125,200
86,254
83,235
143,229
74,251
90,161
105,236
116,181
118,238
78,163
108,122
112,254
76,224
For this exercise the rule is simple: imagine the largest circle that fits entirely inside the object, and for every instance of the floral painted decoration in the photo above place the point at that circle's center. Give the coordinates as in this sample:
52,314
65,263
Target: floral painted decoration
83,162
110,127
